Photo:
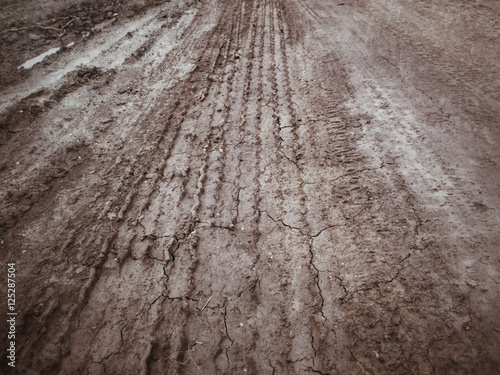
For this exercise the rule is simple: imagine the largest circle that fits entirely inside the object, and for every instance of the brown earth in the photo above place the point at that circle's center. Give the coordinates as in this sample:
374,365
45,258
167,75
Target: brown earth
252,187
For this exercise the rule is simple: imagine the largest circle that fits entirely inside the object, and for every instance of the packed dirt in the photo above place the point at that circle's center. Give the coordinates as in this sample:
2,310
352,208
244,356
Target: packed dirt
251,187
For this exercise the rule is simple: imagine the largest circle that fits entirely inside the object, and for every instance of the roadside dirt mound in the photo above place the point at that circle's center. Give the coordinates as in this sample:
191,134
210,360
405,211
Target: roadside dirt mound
24,38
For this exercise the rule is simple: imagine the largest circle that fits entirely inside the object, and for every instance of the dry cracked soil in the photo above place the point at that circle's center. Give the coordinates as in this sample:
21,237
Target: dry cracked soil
251,186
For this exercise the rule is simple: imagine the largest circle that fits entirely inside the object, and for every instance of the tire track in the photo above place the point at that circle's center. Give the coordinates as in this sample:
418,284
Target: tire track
209,199
143,117
128,207
253,215
325,334
304,278
176,59
234,340
235,141
180,349
269,263
243,222
361,210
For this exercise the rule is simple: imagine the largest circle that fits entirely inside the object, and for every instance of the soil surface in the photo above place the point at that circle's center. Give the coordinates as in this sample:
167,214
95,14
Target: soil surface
251,187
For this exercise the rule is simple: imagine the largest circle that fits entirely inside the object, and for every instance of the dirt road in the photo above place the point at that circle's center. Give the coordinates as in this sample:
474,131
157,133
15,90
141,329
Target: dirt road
252,187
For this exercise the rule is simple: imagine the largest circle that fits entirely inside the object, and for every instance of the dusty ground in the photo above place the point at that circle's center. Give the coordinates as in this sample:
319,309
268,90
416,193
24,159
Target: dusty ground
252,187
